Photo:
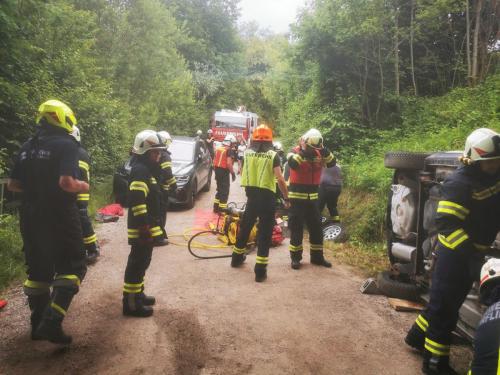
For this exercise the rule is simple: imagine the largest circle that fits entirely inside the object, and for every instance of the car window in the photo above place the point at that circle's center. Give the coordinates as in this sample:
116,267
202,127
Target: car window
182,151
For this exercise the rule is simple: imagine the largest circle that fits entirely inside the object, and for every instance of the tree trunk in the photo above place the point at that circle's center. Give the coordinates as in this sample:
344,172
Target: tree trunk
396,51
381,72
467,35
475,45
412,30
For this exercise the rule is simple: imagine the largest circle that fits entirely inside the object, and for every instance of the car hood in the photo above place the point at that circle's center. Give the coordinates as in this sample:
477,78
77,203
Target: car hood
181,168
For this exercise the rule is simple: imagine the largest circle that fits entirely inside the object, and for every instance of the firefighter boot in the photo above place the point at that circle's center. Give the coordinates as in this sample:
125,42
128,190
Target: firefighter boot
133,305
237,259
296,258
50,328
38,304
92,253
415,338
147,300
318,259
437,365
260,272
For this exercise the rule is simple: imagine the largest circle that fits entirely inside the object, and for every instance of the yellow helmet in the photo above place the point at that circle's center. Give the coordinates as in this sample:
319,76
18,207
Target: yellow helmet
58,114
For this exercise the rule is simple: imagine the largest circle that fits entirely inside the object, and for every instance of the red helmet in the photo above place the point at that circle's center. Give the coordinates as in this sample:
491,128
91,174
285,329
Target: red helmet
262,133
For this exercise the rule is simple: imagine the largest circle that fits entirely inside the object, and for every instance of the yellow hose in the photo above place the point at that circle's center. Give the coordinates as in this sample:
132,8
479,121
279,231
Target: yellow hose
199,245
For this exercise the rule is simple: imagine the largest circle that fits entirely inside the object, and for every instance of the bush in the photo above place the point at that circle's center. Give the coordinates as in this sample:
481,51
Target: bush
11,255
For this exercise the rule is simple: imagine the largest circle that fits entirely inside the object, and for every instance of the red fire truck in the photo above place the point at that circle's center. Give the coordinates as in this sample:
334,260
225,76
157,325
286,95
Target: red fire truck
237,123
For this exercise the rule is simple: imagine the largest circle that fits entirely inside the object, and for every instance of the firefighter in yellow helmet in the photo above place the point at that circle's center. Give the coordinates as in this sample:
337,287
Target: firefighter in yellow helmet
45,172
306,162
467,220
262,168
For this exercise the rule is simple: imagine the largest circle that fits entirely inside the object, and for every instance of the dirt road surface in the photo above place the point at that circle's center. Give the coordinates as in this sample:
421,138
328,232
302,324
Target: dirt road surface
212,319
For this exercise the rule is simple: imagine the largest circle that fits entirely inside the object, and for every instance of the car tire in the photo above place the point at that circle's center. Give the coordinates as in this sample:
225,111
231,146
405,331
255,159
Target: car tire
391,287
192,194
209,182
405,160
335,232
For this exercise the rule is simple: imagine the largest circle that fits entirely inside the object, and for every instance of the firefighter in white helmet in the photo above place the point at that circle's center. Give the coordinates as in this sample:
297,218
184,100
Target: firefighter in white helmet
467,220
168,184
306,162
144,216
487,338
82,201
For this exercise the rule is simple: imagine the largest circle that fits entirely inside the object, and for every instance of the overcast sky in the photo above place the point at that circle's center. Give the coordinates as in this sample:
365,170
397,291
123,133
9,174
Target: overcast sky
273,14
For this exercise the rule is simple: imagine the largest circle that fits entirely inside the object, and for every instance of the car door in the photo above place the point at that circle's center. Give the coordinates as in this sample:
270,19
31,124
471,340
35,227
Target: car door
203,164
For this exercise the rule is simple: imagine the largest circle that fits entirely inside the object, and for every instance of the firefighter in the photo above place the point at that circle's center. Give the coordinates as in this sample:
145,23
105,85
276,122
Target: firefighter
210,143
467,221
45,172
278,147
168,184
487,339
306,162
82,200
223,167
143,221
261,169
330,187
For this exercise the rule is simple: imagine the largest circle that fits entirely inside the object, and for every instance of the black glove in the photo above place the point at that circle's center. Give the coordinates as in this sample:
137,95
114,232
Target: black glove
324,152
233,176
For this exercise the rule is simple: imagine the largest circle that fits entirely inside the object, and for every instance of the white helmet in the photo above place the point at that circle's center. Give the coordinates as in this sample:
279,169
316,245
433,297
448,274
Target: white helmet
229,139
489,272
313,138
482,144
76,134
147,140
278,146
165,138
199,132
210,131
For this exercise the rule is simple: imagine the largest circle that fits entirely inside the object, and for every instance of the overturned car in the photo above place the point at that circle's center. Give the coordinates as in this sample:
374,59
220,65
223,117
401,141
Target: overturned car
412,234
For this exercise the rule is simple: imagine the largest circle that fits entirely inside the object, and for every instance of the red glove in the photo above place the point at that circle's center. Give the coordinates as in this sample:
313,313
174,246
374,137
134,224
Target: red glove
145,237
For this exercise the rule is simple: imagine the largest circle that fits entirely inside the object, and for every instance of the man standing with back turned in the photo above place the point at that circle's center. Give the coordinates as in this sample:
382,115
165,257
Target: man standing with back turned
261,169
45,172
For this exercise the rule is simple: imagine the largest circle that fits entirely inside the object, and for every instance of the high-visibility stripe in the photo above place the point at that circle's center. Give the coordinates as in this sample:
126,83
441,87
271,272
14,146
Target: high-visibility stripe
134,285
216,201
36,284
498,367
316,247
73,278
295,248
171,181
90,239
422,323
140,209
335,218
238,251
58,308
153,180
486,193
156,231
82,197
454,239
297,195
165,165
299,159
261,260
223,205
452,208
139,186
437,348
83,165
329,158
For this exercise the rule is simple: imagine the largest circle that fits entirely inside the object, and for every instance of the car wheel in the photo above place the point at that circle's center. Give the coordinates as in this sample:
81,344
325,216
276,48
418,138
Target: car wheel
405,160
335,232
209,182
192,195
390,286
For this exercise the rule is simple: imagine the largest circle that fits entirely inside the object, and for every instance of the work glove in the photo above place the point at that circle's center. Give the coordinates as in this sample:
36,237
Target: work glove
324,152
233,176
145,237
